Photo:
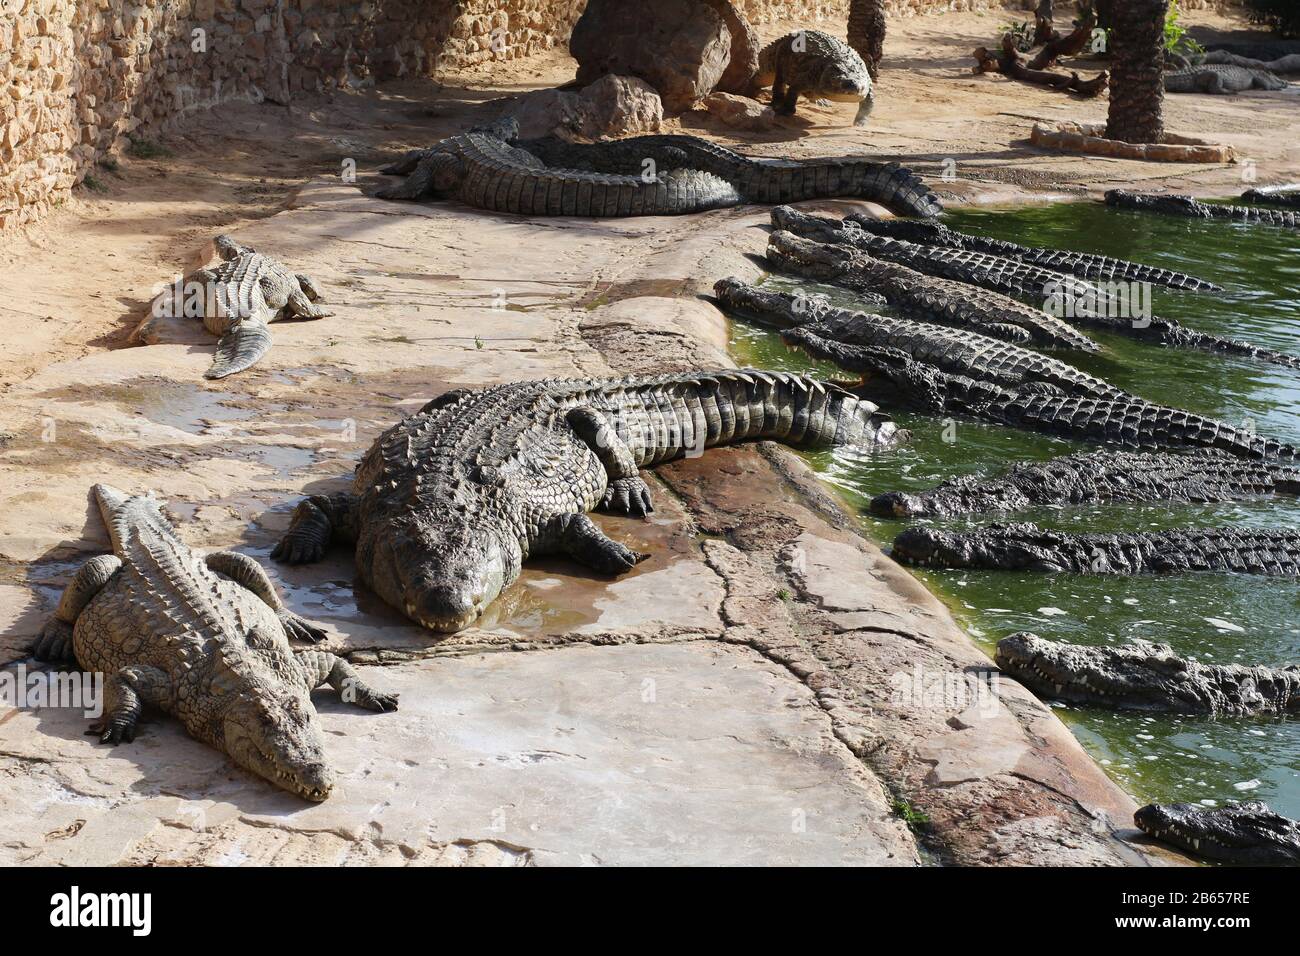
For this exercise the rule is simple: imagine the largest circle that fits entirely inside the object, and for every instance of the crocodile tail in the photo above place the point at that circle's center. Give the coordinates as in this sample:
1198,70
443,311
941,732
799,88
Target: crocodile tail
122,512
240,348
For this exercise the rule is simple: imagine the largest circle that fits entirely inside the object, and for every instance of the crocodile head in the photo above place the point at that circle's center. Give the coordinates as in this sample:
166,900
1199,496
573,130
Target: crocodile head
909,230
897,504
1174,205
1141,676
780,310
1005,547
814,260
272,730
444,569
1248,833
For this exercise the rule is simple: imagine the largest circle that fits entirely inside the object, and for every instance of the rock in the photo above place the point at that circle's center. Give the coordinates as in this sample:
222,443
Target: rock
739,112
679,47
743,65
612,106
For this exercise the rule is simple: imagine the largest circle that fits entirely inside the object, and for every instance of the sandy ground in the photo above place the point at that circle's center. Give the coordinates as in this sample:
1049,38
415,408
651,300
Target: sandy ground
760,593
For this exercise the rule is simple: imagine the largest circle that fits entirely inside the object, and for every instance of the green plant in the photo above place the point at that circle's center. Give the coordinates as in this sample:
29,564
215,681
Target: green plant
1176,38
914,818
142,148
1282,15
93,184
1022,35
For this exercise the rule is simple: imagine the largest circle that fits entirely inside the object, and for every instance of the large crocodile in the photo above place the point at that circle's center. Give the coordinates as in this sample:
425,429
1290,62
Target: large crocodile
922,297
891,374
1146,676
205,639
1081,264
815,65
831,250
1246,833
448,504
1024,546
237,300
959,352
1175,205
640,176
1096,476
1220,78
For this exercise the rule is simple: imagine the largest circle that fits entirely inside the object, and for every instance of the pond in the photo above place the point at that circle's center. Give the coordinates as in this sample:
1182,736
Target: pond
1216,618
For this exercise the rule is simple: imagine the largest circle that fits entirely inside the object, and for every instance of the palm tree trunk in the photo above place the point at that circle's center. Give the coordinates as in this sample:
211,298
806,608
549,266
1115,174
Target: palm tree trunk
1137,89
867,31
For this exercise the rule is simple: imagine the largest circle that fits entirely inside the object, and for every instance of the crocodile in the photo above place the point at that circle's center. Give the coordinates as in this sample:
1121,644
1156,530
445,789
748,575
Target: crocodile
448,503
1220,78
1246,833
892,375
1023,546
204,638
1087,304
236,301
818,66
921,297
1081,264
1095,476
644,175
1289,197
957,351
1176,205
1146,676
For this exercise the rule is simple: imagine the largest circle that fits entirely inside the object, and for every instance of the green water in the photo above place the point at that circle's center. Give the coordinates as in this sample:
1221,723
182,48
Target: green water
1215,618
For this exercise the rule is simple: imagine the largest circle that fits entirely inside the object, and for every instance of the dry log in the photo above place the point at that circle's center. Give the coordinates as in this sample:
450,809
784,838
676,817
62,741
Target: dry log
1008,61
1067,45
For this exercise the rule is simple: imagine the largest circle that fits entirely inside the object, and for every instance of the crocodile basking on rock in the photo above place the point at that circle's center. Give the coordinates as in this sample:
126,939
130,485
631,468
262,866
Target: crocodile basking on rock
236,300
1247,833
1220,78
949,350
204,638
1174,205
448,504
1024,546
1081,264
815,65
490,169
921,297
1096,476
1085,303
1146,676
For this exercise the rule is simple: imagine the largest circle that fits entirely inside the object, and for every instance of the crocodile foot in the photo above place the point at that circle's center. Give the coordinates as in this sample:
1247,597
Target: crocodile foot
54,643
299,628
627,496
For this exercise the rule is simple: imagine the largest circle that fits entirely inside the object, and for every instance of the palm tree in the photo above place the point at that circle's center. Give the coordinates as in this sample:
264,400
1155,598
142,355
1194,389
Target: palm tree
1137,89
867,31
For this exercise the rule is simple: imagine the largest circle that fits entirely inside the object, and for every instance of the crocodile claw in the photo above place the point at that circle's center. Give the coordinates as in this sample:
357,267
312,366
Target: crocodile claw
301,629
113,731
380,702
54,643
629,496
297,548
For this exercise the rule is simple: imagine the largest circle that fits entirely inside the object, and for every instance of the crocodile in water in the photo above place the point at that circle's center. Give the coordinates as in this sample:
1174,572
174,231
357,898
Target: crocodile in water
1245,833
1024,546
1085,303
448,504
1081,264
205,639
1146,676
1173,205
1095,476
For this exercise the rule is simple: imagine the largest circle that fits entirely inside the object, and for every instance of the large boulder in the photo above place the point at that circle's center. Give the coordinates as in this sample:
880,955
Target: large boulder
680,47
613,106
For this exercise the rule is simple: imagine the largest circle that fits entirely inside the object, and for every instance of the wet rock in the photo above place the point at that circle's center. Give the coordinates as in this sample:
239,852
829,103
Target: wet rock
679,47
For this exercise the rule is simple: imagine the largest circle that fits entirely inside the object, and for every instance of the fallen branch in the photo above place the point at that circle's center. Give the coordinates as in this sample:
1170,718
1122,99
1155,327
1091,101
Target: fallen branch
1009,62
1067,45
